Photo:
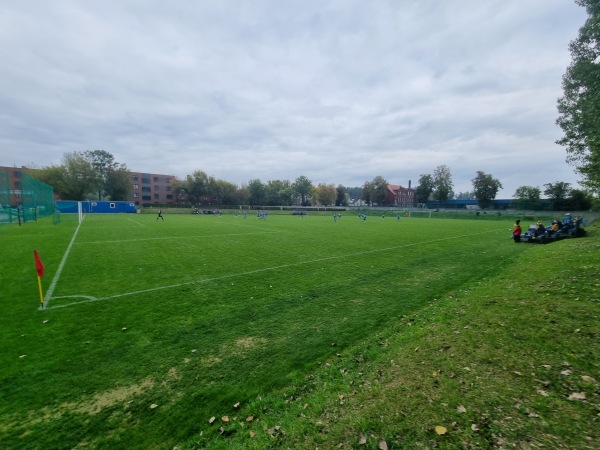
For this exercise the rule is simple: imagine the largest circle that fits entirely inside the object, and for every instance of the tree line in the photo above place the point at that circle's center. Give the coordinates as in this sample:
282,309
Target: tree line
201,189
96,174
87,174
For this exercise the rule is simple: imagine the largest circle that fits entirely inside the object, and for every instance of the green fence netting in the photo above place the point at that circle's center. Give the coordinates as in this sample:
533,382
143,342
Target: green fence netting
27,200
5,209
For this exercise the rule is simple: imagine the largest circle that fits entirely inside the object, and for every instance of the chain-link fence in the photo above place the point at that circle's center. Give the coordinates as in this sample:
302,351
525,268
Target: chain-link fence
26,200
6,212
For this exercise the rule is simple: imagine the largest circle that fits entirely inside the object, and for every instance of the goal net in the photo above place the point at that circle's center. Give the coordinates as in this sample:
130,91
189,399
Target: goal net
424,213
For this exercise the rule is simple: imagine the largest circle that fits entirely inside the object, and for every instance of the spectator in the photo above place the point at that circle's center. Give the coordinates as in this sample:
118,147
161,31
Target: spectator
517,231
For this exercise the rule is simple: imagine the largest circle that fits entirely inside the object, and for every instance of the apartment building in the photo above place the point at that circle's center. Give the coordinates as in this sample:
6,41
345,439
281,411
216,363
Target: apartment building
152,188
14,185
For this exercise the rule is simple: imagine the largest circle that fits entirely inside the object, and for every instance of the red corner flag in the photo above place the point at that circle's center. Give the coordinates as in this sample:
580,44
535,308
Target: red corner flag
39,265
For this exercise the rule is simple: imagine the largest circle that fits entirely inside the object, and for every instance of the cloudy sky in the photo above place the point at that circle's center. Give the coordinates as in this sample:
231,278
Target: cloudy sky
339,91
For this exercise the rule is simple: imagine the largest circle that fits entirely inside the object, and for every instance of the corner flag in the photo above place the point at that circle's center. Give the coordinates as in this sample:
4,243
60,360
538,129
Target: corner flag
39,266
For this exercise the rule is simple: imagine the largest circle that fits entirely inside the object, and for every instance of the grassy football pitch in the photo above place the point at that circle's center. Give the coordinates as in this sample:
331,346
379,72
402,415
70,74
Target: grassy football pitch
150,328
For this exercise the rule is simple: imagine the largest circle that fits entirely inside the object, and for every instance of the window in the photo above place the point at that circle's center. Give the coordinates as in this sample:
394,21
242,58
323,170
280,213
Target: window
156,179
167,180
135,178
17,174
136,186
167,188
156,188
18,184
136,195
146,197
169,197
145,189
156,196
145,180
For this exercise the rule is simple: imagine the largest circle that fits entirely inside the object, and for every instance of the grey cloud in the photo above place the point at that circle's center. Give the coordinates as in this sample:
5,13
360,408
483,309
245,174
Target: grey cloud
339,91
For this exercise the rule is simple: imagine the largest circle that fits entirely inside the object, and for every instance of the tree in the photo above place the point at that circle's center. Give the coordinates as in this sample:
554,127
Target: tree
379,189
243,195
442,183
74,179
557,192
103,163
81,177
365,194
258,193
326,194
117,185
579,108
55,176
303,187
196,187
485,188
222,192
354,192
279,192
342,196
424,189
375,191
466,196
579,200
528,196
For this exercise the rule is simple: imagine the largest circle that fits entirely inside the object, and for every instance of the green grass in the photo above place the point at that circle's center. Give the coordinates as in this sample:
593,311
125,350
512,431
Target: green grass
322,331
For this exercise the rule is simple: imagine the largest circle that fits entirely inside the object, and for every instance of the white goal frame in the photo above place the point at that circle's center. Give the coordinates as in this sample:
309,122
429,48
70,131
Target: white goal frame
420,213
80,211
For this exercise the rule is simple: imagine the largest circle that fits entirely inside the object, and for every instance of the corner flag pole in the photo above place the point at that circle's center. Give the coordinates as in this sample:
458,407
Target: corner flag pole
41,294
39,267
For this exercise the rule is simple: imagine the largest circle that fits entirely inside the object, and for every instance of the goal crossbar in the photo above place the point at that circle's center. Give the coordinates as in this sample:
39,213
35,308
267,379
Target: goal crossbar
420,213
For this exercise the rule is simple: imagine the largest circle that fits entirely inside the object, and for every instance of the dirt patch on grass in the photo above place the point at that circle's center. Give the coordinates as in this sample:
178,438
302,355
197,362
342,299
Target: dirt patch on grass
236,348
211,361
109,398
241,346
249,342
92,406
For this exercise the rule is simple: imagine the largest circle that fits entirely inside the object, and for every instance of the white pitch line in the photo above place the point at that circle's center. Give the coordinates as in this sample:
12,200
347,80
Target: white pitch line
174,237
266,269
135,221
60,268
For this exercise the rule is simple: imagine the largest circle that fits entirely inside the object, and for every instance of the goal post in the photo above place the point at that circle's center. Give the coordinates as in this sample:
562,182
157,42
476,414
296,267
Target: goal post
80,211
421,213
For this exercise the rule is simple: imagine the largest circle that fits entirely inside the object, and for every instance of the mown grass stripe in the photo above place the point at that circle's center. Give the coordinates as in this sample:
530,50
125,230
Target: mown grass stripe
266,269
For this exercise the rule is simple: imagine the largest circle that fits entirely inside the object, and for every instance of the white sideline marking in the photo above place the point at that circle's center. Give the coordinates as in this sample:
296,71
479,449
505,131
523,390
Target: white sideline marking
60,268
266,269
135,221
174,237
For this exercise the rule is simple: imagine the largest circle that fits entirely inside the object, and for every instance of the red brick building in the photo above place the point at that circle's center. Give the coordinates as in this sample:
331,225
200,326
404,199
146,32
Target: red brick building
152,188
400,196
14,185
